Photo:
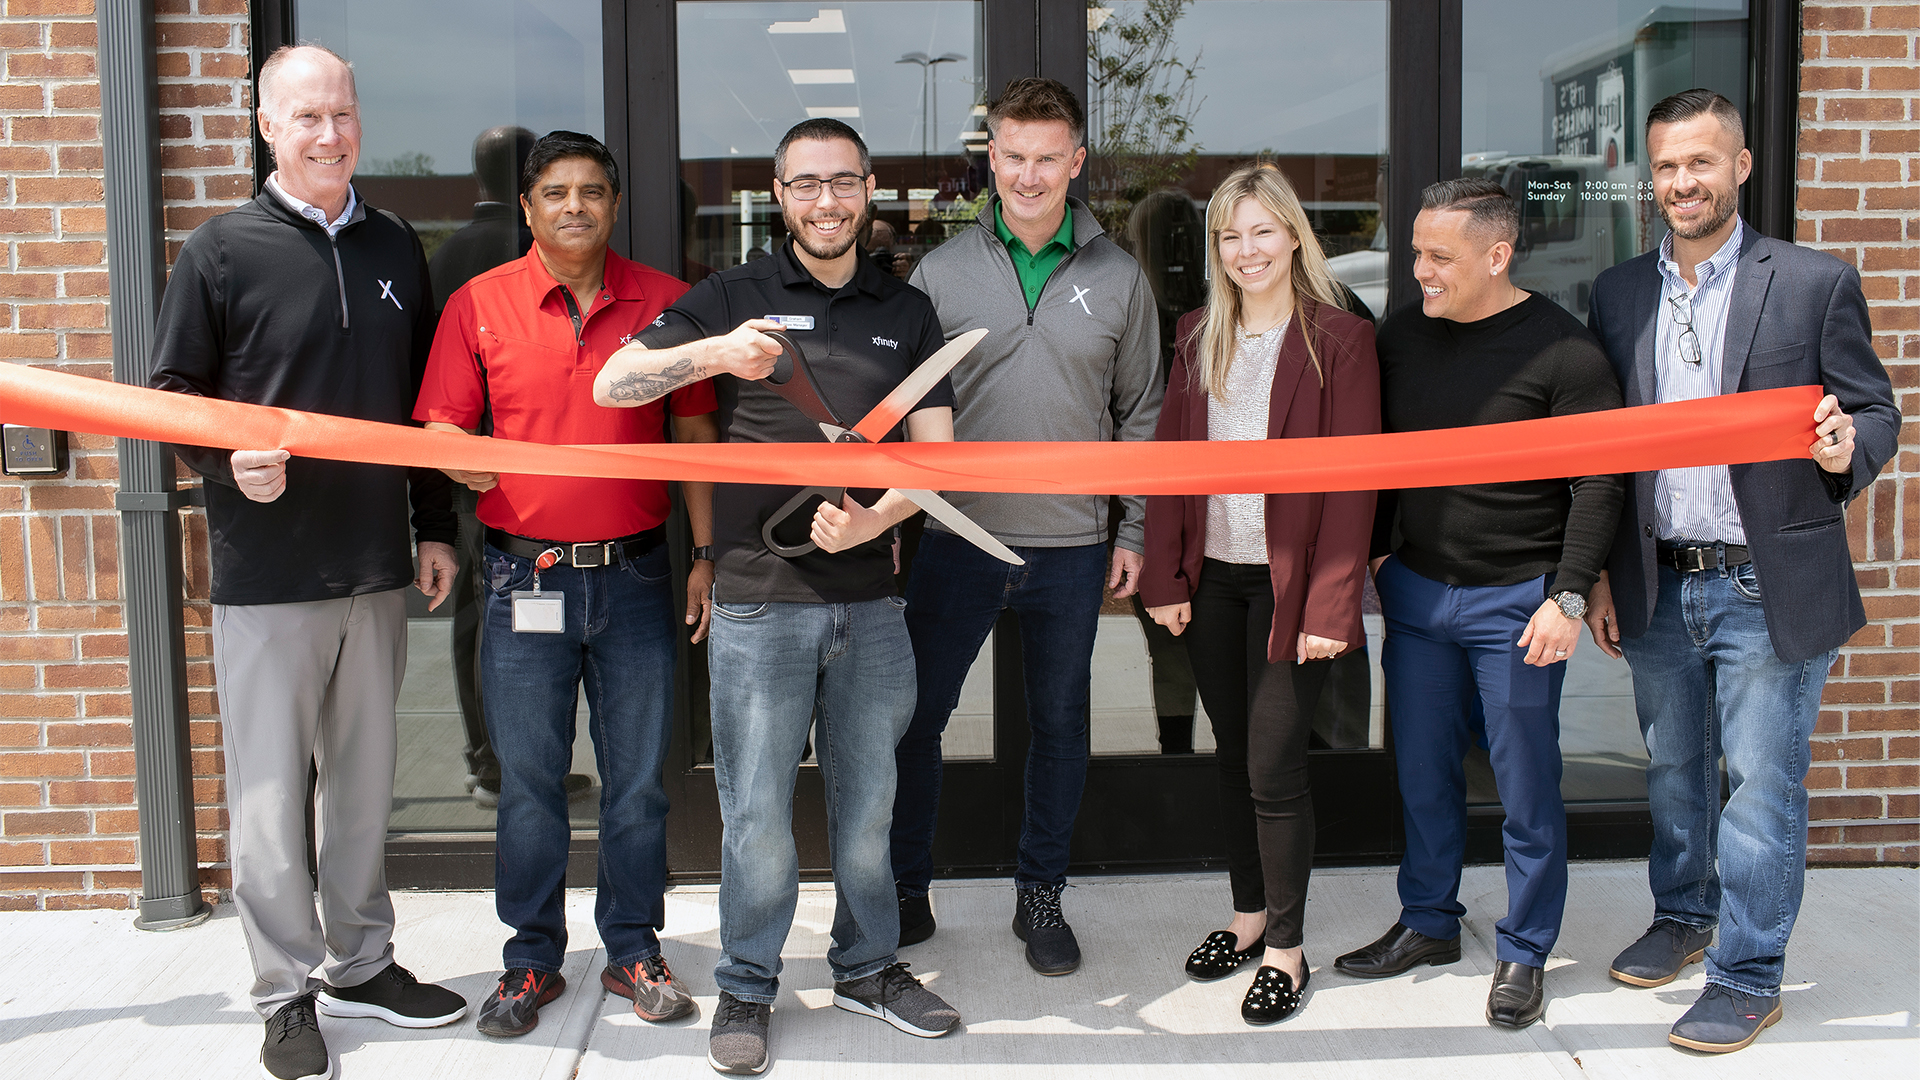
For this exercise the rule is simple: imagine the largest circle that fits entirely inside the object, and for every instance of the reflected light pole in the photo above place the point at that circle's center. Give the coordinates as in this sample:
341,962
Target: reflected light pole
929,103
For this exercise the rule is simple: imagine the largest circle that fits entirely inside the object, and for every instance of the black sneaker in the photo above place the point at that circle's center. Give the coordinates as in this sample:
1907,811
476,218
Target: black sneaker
1051,946
514,1008
894,995
650,985
916,919
294,1049
395,996
737,1043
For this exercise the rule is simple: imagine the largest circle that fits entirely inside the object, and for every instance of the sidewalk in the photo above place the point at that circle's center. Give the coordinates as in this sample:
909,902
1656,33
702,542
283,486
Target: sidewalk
89,996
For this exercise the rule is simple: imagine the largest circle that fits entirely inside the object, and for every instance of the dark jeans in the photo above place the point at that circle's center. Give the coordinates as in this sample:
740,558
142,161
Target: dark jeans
1260,739
956,595
1445,643
619,641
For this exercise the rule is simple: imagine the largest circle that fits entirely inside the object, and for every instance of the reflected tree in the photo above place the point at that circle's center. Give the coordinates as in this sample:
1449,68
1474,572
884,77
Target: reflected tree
1141,105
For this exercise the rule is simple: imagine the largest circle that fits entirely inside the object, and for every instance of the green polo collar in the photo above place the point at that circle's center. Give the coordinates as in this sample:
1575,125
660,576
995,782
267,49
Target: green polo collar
1033,269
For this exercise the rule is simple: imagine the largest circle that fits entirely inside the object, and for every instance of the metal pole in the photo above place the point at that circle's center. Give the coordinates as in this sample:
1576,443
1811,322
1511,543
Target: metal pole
150,559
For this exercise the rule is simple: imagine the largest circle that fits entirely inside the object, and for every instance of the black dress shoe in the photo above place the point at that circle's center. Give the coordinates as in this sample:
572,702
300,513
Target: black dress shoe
1656,959
1398,950
1273,997
1216,958
1519,994
916,919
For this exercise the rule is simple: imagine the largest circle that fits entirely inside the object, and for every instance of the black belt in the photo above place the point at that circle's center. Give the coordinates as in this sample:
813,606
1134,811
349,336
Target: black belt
583,556
1688,558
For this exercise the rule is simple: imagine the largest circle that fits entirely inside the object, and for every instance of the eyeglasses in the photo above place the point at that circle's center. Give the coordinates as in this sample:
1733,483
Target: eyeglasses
1683,318
844,186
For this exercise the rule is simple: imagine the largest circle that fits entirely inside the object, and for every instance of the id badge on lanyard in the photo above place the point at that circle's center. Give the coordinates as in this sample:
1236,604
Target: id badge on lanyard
537,611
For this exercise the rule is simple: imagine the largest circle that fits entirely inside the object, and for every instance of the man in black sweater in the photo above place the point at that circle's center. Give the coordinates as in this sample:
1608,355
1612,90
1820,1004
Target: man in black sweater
1484,588
306,299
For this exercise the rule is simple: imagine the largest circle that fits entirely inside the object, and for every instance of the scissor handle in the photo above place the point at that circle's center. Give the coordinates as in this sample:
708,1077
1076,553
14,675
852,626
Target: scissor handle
793,379
800,499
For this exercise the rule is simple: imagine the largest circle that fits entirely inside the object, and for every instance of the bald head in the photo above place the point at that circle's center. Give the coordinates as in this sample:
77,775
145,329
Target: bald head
298,64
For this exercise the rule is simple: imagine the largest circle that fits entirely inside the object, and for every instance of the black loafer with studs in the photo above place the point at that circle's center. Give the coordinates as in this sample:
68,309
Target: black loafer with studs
1216,958
1273,997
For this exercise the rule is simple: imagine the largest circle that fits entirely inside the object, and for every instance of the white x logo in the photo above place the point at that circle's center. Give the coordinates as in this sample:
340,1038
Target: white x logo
386,293
1078,298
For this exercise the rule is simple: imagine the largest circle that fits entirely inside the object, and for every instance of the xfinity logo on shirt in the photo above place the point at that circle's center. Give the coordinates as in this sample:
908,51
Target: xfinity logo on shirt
888,342
386,293
1079,297
627,339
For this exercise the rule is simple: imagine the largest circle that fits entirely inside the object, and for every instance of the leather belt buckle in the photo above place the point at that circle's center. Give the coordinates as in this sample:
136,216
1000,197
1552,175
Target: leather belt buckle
588,555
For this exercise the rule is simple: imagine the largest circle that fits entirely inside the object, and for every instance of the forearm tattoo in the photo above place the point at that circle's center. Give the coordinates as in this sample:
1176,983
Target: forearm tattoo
647,385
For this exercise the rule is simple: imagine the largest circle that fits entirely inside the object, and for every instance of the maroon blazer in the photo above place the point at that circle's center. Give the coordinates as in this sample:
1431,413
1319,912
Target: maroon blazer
1316,543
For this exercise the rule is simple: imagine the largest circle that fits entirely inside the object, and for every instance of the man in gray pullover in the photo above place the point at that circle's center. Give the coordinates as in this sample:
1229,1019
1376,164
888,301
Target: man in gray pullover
1072,354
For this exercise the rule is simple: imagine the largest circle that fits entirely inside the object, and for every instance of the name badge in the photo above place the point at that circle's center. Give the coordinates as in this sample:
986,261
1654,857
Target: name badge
792,322
539,612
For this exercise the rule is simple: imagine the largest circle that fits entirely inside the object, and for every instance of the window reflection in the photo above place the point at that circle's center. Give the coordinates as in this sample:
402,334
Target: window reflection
906,74
1181,92
1563,135
445,130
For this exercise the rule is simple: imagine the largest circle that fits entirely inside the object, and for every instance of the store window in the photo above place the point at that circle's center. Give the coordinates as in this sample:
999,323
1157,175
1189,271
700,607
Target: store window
1179,94
451,94
1554,98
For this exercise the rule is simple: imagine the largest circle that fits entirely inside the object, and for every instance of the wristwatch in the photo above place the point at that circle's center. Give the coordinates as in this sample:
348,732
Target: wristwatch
1572,604
703,553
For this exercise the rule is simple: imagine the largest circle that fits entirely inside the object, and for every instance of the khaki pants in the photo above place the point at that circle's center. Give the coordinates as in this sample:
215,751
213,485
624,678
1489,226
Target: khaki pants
297,683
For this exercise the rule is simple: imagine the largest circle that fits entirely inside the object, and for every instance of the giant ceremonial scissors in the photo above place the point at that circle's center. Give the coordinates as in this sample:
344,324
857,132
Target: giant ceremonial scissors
793,379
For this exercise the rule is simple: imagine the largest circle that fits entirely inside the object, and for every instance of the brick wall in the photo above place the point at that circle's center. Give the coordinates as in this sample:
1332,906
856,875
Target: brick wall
1859,198
68,826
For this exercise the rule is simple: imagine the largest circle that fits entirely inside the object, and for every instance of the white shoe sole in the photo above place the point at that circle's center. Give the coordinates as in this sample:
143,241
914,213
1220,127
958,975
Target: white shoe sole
333,1006
719,1068
853,1005
328,1075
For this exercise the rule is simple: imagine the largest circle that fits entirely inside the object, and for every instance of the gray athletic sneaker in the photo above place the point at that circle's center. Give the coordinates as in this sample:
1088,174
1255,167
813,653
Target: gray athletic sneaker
898,998
737,1044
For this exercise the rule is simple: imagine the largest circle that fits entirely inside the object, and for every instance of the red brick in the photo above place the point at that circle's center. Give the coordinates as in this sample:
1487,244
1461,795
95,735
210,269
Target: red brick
26,222
195,157
81,159
58,189
103,646
1842,230
215,126
1866,109
187,218
43,549
1894,141
91,734
1891,833
42,882
1882,776
1870,170
1811,198
93,792
106,564
61,316
1833,17
1843,807
20,734
1825,778
1896,17
1849,750
42,647
93,901
69,852
111,763
1891,77
1843,856
62,253
176,187
1881,46
198,35
237,186
45,823
23,854
1883,664
82,346
97,705
19,35
83,219
173,65
223,7
224,65
22,159
41,763
1903,806
60,65
20,8
176,126
1830,78
77,616
195,95
1828,141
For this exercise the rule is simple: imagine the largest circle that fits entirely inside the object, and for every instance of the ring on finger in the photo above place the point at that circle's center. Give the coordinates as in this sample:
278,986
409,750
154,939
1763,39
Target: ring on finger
1833,437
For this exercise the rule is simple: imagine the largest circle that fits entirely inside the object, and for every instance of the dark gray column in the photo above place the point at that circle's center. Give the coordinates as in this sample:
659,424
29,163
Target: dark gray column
150,559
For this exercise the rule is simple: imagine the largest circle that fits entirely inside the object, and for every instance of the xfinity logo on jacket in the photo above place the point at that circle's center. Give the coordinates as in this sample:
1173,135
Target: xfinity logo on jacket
1080,297
888,342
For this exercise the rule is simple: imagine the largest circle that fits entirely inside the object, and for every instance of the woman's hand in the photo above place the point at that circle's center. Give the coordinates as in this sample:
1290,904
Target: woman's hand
1174,617
1315,647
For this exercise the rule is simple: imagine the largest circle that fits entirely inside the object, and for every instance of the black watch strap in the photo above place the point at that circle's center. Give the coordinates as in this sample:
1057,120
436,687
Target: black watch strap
704,551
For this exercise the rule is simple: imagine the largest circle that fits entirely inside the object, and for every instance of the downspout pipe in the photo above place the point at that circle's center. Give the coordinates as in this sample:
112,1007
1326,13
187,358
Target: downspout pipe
151,567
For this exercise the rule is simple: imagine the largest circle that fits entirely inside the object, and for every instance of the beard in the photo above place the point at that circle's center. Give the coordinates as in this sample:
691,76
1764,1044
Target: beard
849,233
1722,205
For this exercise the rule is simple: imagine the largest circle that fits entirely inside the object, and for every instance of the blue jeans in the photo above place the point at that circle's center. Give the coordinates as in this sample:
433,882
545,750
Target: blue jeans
619,640
1445,644
956,595
779,669
1707,685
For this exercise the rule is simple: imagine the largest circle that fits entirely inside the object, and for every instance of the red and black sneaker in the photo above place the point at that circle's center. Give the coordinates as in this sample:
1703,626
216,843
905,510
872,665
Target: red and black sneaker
514,1008
655,993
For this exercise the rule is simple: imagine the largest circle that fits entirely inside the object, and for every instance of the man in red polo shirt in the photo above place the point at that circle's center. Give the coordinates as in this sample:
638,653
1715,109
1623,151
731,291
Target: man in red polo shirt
576,577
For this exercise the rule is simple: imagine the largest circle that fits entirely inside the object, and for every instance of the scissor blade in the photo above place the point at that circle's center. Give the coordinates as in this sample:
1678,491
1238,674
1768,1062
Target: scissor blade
962,525
874,426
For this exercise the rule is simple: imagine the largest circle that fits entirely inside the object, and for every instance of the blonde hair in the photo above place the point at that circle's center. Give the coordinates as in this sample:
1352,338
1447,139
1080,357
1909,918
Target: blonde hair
1213,336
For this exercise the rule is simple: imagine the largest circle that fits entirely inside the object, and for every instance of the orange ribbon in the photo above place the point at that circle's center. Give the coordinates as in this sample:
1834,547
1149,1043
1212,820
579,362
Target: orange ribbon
1764,425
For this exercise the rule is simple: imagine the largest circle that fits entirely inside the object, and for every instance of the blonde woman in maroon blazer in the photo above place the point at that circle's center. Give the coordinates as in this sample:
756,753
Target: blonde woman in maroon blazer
1258,583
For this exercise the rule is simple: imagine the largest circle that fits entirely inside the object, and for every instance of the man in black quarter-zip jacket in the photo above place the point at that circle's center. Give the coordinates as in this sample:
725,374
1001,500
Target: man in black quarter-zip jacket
306,299
1072,354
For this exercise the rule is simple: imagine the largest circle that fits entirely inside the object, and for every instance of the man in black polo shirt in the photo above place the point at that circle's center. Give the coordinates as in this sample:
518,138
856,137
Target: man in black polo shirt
819,636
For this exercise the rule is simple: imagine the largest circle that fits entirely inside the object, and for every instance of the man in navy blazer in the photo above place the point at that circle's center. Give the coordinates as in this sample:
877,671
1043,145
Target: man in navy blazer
1730,589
